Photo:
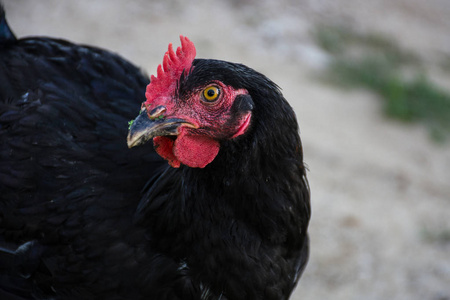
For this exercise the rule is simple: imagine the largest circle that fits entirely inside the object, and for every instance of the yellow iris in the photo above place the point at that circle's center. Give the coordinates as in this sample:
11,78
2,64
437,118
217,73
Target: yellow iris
211,93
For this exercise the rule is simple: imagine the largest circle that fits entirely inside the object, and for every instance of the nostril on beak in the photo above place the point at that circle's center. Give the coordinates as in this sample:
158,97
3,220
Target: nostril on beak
157,112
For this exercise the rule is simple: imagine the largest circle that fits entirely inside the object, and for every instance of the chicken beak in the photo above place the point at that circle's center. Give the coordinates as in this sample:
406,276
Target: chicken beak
144,128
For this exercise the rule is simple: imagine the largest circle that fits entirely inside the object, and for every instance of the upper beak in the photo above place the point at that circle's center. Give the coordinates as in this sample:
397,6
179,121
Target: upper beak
145,128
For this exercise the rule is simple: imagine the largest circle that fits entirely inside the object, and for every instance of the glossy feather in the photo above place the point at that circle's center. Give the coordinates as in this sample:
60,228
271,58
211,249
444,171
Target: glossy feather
84,217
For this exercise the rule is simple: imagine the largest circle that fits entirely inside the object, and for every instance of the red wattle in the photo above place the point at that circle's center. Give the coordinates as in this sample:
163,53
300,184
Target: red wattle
195,151
164,147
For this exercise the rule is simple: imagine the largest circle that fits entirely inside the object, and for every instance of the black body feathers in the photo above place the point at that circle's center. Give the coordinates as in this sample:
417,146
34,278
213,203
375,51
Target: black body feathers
84,217
6,35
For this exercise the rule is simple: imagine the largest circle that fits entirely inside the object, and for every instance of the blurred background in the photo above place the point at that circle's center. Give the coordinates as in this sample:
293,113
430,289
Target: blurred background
370,83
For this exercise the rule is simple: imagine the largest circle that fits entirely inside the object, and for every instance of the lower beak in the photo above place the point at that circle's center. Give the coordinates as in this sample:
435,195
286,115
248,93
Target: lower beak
143,128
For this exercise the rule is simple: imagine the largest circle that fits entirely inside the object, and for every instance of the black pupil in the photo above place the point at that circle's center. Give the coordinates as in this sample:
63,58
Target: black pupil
211,93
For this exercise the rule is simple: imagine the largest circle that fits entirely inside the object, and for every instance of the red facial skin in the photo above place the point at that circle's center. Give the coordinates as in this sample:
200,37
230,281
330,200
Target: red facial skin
208,122
198,144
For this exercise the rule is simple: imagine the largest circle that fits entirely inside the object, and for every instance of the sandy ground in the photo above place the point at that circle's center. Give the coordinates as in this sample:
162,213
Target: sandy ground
380,189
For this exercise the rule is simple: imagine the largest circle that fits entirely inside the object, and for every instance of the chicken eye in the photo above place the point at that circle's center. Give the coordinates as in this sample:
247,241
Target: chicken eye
211,93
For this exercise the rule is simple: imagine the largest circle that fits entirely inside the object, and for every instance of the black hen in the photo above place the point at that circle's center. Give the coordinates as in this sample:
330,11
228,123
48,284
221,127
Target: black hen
84,217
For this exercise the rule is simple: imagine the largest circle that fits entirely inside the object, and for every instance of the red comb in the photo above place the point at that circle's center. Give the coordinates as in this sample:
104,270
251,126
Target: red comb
172,67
